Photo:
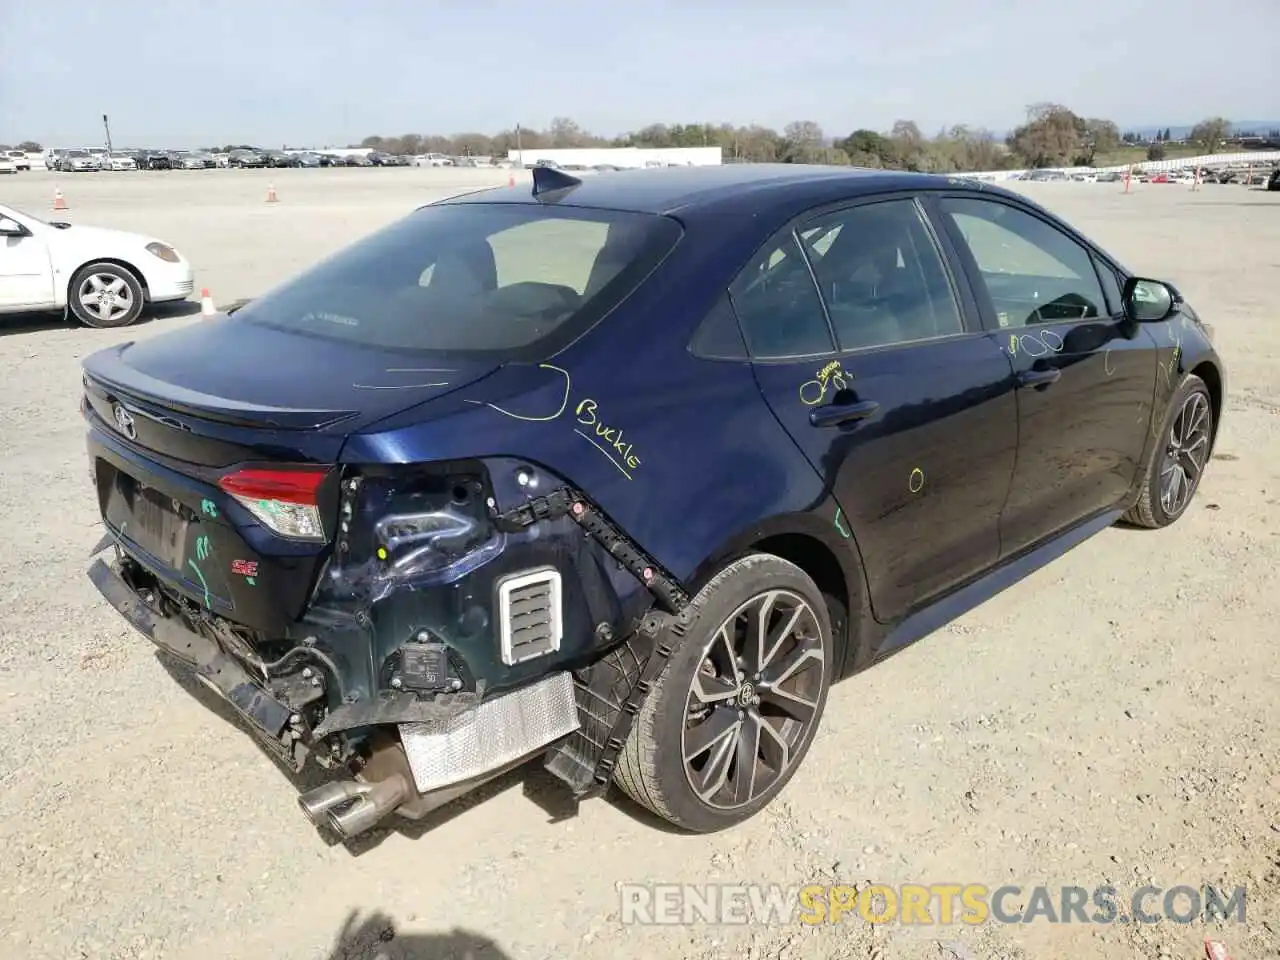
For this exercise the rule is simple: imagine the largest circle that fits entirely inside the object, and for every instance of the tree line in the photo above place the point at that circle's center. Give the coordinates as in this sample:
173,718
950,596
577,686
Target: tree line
1052,135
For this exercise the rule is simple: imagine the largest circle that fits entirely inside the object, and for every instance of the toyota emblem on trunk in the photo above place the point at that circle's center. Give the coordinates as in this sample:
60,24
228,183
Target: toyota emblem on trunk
124,421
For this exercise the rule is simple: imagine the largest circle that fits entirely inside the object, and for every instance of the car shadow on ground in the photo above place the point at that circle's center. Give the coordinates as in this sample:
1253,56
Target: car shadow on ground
538,785
32,322
375,937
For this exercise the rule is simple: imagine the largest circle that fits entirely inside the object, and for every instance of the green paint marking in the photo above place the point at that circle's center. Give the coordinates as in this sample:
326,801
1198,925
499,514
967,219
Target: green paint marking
202,548
843,531
205,586
251,581
209,508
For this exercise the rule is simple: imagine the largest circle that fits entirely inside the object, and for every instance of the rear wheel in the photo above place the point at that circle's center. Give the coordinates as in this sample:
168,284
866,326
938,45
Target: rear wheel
734,712
105,295
1177,459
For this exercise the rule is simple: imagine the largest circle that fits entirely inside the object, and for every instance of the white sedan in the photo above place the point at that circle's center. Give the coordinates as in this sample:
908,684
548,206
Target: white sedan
104,277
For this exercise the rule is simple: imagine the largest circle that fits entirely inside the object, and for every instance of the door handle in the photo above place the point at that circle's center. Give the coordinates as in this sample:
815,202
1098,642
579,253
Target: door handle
1039,378
835,414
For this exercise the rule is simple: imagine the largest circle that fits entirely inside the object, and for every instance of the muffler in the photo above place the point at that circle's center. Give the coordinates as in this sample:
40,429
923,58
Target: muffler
350,807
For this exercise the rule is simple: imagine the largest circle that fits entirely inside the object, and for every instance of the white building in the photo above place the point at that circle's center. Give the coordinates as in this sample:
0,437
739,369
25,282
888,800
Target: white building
623,156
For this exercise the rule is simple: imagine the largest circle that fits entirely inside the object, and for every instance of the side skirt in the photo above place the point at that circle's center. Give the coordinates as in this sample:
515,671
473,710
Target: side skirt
955,605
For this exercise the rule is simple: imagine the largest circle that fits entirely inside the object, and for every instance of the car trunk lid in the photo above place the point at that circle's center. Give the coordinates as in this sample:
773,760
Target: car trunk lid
223,391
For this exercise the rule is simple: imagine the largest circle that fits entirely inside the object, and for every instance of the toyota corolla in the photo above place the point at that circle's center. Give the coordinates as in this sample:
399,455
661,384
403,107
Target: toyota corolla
623,472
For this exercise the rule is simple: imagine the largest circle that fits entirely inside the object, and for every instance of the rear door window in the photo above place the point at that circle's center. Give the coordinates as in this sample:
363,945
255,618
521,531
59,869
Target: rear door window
778,304
882,276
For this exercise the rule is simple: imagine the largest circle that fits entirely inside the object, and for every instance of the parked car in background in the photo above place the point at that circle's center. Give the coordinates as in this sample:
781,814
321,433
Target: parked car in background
278,158
432,160
52,156
309,160
221,160
1273,181
106,278
19,159
78,161
913,392
121,160
359,160
155,160
7,166
198,161
245,157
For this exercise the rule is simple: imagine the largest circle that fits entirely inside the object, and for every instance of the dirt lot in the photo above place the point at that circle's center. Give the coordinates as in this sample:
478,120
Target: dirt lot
1115,718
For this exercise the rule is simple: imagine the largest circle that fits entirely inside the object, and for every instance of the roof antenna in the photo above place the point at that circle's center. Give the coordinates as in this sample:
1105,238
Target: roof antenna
548,180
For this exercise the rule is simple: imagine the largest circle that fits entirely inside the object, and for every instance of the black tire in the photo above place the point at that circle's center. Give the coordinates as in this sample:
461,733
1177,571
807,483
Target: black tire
651,768
1154,510
120,282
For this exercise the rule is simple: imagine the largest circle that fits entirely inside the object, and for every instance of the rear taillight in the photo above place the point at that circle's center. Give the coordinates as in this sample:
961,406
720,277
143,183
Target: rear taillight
284,500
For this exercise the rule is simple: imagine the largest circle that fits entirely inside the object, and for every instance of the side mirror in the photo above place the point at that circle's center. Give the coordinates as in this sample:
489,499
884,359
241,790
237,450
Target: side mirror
1150,301
12,228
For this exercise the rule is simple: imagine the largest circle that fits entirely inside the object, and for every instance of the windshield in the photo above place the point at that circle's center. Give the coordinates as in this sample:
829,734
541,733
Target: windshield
77,153
517,281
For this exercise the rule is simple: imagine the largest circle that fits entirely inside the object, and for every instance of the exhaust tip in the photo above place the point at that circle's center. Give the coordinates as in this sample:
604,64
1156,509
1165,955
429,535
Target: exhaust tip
316,803
310,812
350,807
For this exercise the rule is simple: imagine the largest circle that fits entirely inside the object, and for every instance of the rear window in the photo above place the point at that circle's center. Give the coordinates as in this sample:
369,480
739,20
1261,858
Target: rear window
515,280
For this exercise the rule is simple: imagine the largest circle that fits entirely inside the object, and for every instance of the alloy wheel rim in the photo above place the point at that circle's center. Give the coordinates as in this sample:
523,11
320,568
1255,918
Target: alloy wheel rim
753,700
1185,453
105,296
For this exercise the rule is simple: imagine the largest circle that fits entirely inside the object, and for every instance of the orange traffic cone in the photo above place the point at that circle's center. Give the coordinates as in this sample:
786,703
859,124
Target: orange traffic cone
207,308
59,201
271,193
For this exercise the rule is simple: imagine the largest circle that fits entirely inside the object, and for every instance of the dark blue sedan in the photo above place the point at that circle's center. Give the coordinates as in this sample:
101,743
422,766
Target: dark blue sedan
623,472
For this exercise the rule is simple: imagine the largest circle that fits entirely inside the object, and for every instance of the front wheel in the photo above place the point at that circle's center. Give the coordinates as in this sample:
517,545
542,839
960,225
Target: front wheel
105,295
1178,457
734,712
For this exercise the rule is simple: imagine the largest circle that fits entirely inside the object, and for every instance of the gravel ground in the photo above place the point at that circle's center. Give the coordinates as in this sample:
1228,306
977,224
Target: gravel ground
1113,718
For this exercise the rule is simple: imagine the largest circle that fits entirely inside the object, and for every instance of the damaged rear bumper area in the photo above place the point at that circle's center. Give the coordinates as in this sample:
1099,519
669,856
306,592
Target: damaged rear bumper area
429,764
406,707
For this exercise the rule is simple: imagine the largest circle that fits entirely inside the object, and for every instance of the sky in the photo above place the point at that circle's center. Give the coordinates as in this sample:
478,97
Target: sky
329,72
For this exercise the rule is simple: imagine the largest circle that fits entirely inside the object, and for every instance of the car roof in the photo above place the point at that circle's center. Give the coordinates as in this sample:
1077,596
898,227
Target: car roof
766,187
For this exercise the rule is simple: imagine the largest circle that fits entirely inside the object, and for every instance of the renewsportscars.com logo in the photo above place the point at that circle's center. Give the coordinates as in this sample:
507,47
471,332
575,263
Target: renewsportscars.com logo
922,904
